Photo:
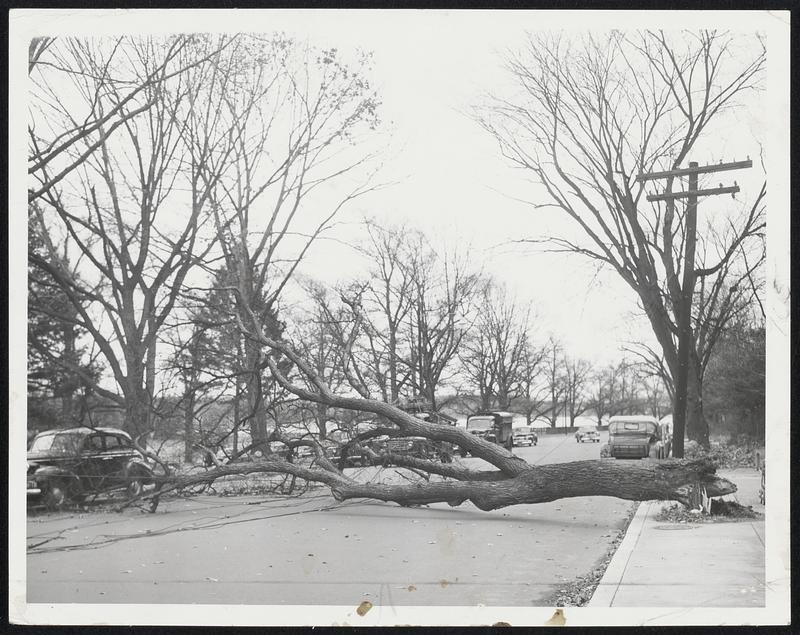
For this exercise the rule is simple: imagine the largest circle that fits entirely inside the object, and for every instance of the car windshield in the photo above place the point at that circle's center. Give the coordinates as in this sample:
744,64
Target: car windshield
588,429
480,423
65,444
632,427
522,430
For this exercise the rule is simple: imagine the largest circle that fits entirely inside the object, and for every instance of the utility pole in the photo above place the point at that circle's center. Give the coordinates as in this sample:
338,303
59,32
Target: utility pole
684,312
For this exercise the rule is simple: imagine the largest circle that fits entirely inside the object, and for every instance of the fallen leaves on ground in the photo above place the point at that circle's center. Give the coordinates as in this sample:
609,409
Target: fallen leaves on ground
580,590
721,511
739,452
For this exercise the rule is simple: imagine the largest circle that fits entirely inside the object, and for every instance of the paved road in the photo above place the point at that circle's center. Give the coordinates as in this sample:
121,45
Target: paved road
310,550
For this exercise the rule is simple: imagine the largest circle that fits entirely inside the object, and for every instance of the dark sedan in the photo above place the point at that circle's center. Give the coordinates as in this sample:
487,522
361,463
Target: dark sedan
66,465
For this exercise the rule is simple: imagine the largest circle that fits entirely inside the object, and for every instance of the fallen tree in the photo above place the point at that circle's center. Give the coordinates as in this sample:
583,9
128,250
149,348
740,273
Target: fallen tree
512,480
641,480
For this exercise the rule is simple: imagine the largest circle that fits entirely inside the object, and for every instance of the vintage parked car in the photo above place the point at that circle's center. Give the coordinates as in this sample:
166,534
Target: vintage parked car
70,464
638,437
524,435
587,433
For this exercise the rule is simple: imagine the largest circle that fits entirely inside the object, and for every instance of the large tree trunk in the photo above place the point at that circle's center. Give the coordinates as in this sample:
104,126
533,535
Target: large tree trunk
630,480
696,424
236,415
137,412
394,389
68,387
150,376
254,394
640,480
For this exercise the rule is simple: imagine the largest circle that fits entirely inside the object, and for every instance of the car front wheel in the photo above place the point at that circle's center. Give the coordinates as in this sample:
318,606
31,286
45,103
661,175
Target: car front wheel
55,495
135,488
136,483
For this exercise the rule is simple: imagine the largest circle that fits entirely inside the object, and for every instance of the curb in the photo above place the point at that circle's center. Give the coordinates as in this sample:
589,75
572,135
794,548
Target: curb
604,593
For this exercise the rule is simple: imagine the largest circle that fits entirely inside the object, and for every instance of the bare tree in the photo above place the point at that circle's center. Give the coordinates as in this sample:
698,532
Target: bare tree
386,299
496,353
511,480
322,341
726,292
413,310
576,379
74,78
477,359
295,113
655,396
591,114
555,381
109,207
532,399
444,292
602,396
651,365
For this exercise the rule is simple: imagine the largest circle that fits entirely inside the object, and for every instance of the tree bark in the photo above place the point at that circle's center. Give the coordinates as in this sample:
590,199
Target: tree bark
321,416
253,392
137,412
696,423
67,387
642,480
236,416
188,426
150,375
630,480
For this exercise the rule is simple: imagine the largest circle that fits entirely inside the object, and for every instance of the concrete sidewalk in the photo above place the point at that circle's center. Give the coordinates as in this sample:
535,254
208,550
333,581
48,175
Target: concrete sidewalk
689,564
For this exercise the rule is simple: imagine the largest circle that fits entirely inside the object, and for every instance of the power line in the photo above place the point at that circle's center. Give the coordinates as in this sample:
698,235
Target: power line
681,379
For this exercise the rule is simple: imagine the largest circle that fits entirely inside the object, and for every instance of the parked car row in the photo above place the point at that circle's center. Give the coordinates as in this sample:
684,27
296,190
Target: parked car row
74,463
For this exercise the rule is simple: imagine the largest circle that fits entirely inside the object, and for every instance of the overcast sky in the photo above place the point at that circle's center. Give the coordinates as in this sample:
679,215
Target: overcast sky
430,68
451,181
